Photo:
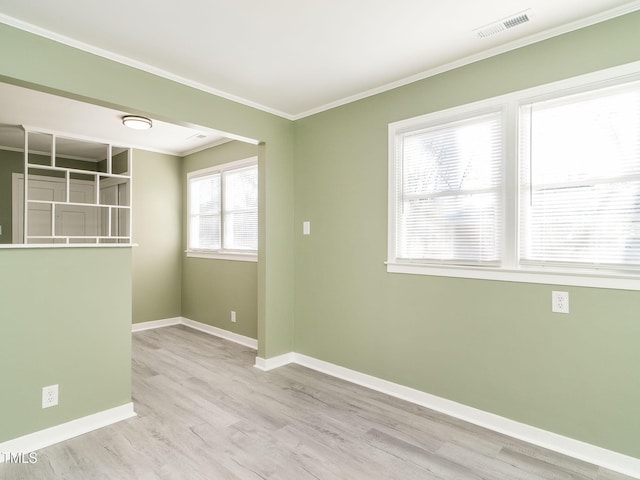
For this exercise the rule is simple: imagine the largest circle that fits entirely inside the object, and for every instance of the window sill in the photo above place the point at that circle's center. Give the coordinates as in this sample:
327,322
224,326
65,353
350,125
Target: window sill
593,280
235,256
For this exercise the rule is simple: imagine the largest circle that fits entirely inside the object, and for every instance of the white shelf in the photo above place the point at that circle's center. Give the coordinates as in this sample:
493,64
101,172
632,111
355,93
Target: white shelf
86,220
79,204
78,171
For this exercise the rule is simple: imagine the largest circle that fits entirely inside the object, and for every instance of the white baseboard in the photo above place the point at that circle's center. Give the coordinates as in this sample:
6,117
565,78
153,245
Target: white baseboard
274,362
203,327
167,322
219,332
59,433
552,441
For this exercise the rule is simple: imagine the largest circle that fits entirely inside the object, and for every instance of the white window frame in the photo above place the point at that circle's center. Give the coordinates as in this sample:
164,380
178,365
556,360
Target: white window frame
510,269
221,253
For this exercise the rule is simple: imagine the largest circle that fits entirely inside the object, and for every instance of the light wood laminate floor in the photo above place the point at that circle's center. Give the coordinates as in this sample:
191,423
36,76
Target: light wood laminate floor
204,412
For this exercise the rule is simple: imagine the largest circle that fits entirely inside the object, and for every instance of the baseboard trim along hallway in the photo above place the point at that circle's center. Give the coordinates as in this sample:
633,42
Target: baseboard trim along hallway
166,322
66,431
203,327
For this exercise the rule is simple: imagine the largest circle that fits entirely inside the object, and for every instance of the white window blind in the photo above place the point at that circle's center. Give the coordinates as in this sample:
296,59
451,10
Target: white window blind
241,209
448,192
223,209
205,209
580,180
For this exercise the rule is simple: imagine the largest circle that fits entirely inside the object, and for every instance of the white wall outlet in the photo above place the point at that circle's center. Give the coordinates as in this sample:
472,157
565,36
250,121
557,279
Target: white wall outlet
49,396
306,228
233,316
560,302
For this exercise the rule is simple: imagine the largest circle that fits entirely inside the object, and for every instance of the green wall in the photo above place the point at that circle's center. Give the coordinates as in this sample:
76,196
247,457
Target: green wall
157,231
495,346
212,288
10,162
39,63
66,320
490,345
42,64
166,284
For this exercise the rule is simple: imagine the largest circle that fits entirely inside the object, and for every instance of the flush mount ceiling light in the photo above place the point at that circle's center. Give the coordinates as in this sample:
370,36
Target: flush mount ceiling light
136,122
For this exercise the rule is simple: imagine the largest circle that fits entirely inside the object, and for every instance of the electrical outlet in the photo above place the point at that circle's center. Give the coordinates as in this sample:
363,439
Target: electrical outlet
560,302
49,396
233,316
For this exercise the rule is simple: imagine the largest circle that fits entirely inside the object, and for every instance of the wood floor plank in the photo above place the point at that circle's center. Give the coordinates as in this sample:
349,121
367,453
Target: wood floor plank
204,412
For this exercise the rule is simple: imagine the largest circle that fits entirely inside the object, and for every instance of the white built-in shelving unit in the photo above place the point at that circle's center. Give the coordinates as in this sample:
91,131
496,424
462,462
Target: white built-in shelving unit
75,191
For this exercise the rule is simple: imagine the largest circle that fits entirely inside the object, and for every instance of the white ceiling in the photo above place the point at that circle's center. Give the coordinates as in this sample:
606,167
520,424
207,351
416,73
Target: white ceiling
288,57
293,57
44,112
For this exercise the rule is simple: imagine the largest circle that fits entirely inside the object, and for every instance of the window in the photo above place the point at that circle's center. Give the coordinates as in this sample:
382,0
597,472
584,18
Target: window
223,211
580,180
538,186
449,202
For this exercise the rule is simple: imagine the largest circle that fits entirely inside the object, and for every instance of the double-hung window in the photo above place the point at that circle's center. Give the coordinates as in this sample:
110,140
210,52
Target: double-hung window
580,180
540,186
223,211
448,199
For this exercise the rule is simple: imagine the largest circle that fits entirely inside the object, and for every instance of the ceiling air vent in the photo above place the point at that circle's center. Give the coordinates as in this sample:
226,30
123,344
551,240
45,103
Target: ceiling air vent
196,136
504,24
